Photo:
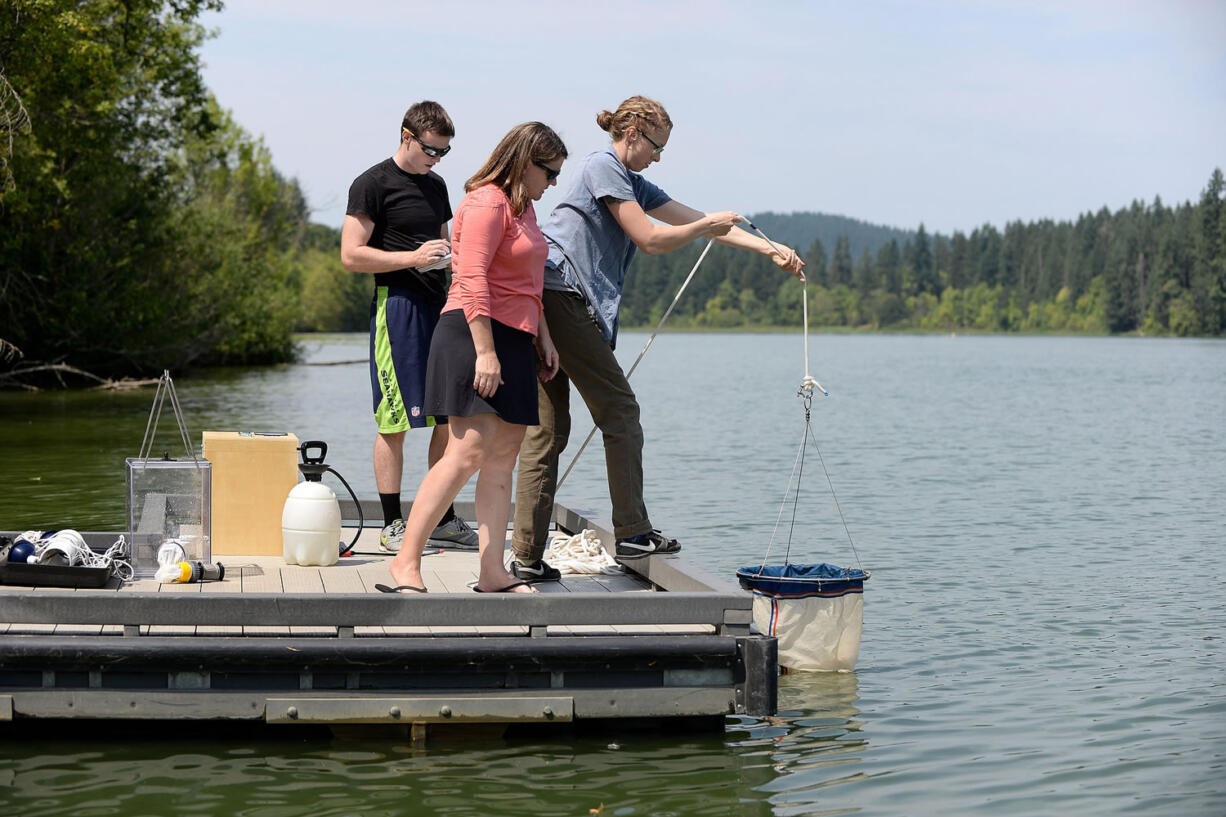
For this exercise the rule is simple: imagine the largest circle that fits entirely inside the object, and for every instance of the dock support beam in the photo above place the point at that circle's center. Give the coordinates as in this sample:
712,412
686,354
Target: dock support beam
759,657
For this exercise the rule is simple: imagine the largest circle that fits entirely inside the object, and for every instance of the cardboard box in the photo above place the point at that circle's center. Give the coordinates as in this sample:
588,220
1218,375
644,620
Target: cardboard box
253,473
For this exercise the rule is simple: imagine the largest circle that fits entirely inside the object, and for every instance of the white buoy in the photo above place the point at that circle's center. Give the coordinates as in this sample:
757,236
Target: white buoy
311,525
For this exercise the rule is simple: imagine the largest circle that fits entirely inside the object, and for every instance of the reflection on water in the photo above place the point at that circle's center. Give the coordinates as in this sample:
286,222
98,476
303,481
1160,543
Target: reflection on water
626,774
812,747
793,763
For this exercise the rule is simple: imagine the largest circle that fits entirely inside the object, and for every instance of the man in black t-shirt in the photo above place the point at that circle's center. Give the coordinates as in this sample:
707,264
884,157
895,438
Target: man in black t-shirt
396,228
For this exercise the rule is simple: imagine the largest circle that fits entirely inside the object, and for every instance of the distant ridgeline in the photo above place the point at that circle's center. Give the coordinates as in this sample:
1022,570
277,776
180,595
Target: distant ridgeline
1153,268
142,228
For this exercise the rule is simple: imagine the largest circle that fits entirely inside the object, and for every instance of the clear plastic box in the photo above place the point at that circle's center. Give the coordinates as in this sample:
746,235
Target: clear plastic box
169,499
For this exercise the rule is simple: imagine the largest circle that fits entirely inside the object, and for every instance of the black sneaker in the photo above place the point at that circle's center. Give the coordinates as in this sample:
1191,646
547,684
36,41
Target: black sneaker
645,544
538,571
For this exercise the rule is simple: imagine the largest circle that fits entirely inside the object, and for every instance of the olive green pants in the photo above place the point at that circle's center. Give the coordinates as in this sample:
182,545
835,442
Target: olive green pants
586,360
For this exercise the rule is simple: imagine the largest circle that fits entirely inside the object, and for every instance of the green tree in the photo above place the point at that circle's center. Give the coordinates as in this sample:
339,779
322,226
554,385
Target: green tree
841,266
815,264
1209,276
333,299
925,274
143,229
889,267
112,90
864,276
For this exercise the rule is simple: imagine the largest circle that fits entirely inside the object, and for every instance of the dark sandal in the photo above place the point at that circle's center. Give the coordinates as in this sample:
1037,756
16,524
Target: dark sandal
383,588
506,589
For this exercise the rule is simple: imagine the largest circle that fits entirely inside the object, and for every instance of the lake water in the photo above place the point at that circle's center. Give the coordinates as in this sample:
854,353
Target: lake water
1043,518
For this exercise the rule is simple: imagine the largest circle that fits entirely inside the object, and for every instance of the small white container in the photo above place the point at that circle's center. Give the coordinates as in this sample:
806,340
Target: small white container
311,525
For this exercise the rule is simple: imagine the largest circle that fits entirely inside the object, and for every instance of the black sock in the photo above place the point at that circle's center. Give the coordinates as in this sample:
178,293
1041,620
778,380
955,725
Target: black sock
391,507
447,517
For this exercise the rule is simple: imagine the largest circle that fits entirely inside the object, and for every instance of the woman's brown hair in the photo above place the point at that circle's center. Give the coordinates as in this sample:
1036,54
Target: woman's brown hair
525,144
630,113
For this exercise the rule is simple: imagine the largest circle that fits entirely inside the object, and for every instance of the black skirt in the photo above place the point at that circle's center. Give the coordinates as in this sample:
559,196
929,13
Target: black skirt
452,367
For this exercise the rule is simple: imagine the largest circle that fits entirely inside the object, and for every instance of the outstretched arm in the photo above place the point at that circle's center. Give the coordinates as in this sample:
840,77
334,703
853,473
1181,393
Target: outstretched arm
654,238
674,212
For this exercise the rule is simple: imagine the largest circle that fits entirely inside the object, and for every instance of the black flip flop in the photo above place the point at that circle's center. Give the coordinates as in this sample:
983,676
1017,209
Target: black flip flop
383,588
508,588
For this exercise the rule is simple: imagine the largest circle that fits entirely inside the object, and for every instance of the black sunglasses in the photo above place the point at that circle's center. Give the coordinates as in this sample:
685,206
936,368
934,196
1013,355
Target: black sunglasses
658,148
550,173
432,152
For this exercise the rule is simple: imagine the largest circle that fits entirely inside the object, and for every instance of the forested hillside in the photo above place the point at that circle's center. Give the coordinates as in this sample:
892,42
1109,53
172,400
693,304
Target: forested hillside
1149,267
142,228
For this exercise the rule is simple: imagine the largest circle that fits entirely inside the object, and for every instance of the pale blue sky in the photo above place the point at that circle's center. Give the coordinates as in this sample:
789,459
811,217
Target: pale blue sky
948,113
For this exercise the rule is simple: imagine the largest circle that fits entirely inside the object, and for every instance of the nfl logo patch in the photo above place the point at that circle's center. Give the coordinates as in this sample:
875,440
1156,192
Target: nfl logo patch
416,411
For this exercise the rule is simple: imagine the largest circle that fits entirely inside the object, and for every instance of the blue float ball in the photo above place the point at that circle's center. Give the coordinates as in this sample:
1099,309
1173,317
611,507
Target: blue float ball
21,552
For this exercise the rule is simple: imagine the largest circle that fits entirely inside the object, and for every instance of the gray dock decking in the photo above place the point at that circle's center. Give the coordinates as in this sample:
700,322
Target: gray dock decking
292,644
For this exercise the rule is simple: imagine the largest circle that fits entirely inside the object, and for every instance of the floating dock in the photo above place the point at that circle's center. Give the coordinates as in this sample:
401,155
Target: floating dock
319,645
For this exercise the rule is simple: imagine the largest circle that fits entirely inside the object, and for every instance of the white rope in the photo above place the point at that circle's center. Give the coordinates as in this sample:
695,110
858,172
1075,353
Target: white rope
70,545
807,383
581,553
796,463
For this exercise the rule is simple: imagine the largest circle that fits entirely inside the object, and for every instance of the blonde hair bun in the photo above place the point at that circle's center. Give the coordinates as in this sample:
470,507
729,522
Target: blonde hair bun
632,111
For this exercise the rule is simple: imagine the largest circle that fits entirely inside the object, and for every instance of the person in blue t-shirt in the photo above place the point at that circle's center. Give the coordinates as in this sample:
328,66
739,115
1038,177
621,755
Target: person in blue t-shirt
606,215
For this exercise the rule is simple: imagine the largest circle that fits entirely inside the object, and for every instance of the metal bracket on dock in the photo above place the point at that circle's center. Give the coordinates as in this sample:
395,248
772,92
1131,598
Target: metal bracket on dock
505,709
758,668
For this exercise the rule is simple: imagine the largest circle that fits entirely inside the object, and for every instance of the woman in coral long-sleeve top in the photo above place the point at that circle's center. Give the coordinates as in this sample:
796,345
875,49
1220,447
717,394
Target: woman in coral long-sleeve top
483,357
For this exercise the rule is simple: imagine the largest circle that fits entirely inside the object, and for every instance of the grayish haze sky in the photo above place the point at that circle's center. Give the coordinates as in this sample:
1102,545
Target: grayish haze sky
949,113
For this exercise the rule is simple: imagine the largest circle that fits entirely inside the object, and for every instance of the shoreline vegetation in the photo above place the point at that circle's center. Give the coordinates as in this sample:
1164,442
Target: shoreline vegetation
142,229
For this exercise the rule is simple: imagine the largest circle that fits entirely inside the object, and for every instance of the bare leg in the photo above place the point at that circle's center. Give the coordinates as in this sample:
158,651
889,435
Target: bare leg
494,505
438,444
461,459
389,461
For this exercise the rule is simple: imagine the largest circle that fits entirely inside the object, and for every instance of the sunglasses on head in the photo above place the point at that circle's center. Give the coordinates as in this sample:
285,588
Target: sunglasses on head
432,152
550,173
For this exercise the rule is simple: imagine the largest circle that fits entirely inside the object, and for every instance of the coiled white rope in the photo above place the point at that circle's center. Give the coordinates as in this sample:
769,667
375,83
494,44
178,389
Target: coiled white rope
581,553
72,547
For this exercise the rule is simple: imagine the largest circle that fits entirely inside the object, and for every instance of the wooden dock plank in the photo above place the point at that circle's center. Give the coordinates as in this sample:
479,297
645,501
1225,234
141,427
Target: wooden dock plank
444,572
232,582
70,628
300,580
372,570
175,629
349,579
10,589
300,611
257,579
342,581
608,583
149,585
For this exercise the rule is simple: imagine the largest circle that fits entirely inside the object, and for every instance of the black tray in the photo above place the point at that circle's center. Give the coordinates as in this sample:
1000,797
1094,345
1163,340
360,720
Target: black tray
53,575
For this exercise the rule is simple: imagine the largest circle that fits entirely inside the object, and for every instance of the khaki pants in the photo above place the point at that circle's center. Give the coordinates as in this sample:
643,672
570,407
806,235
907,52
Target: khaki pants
588,362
